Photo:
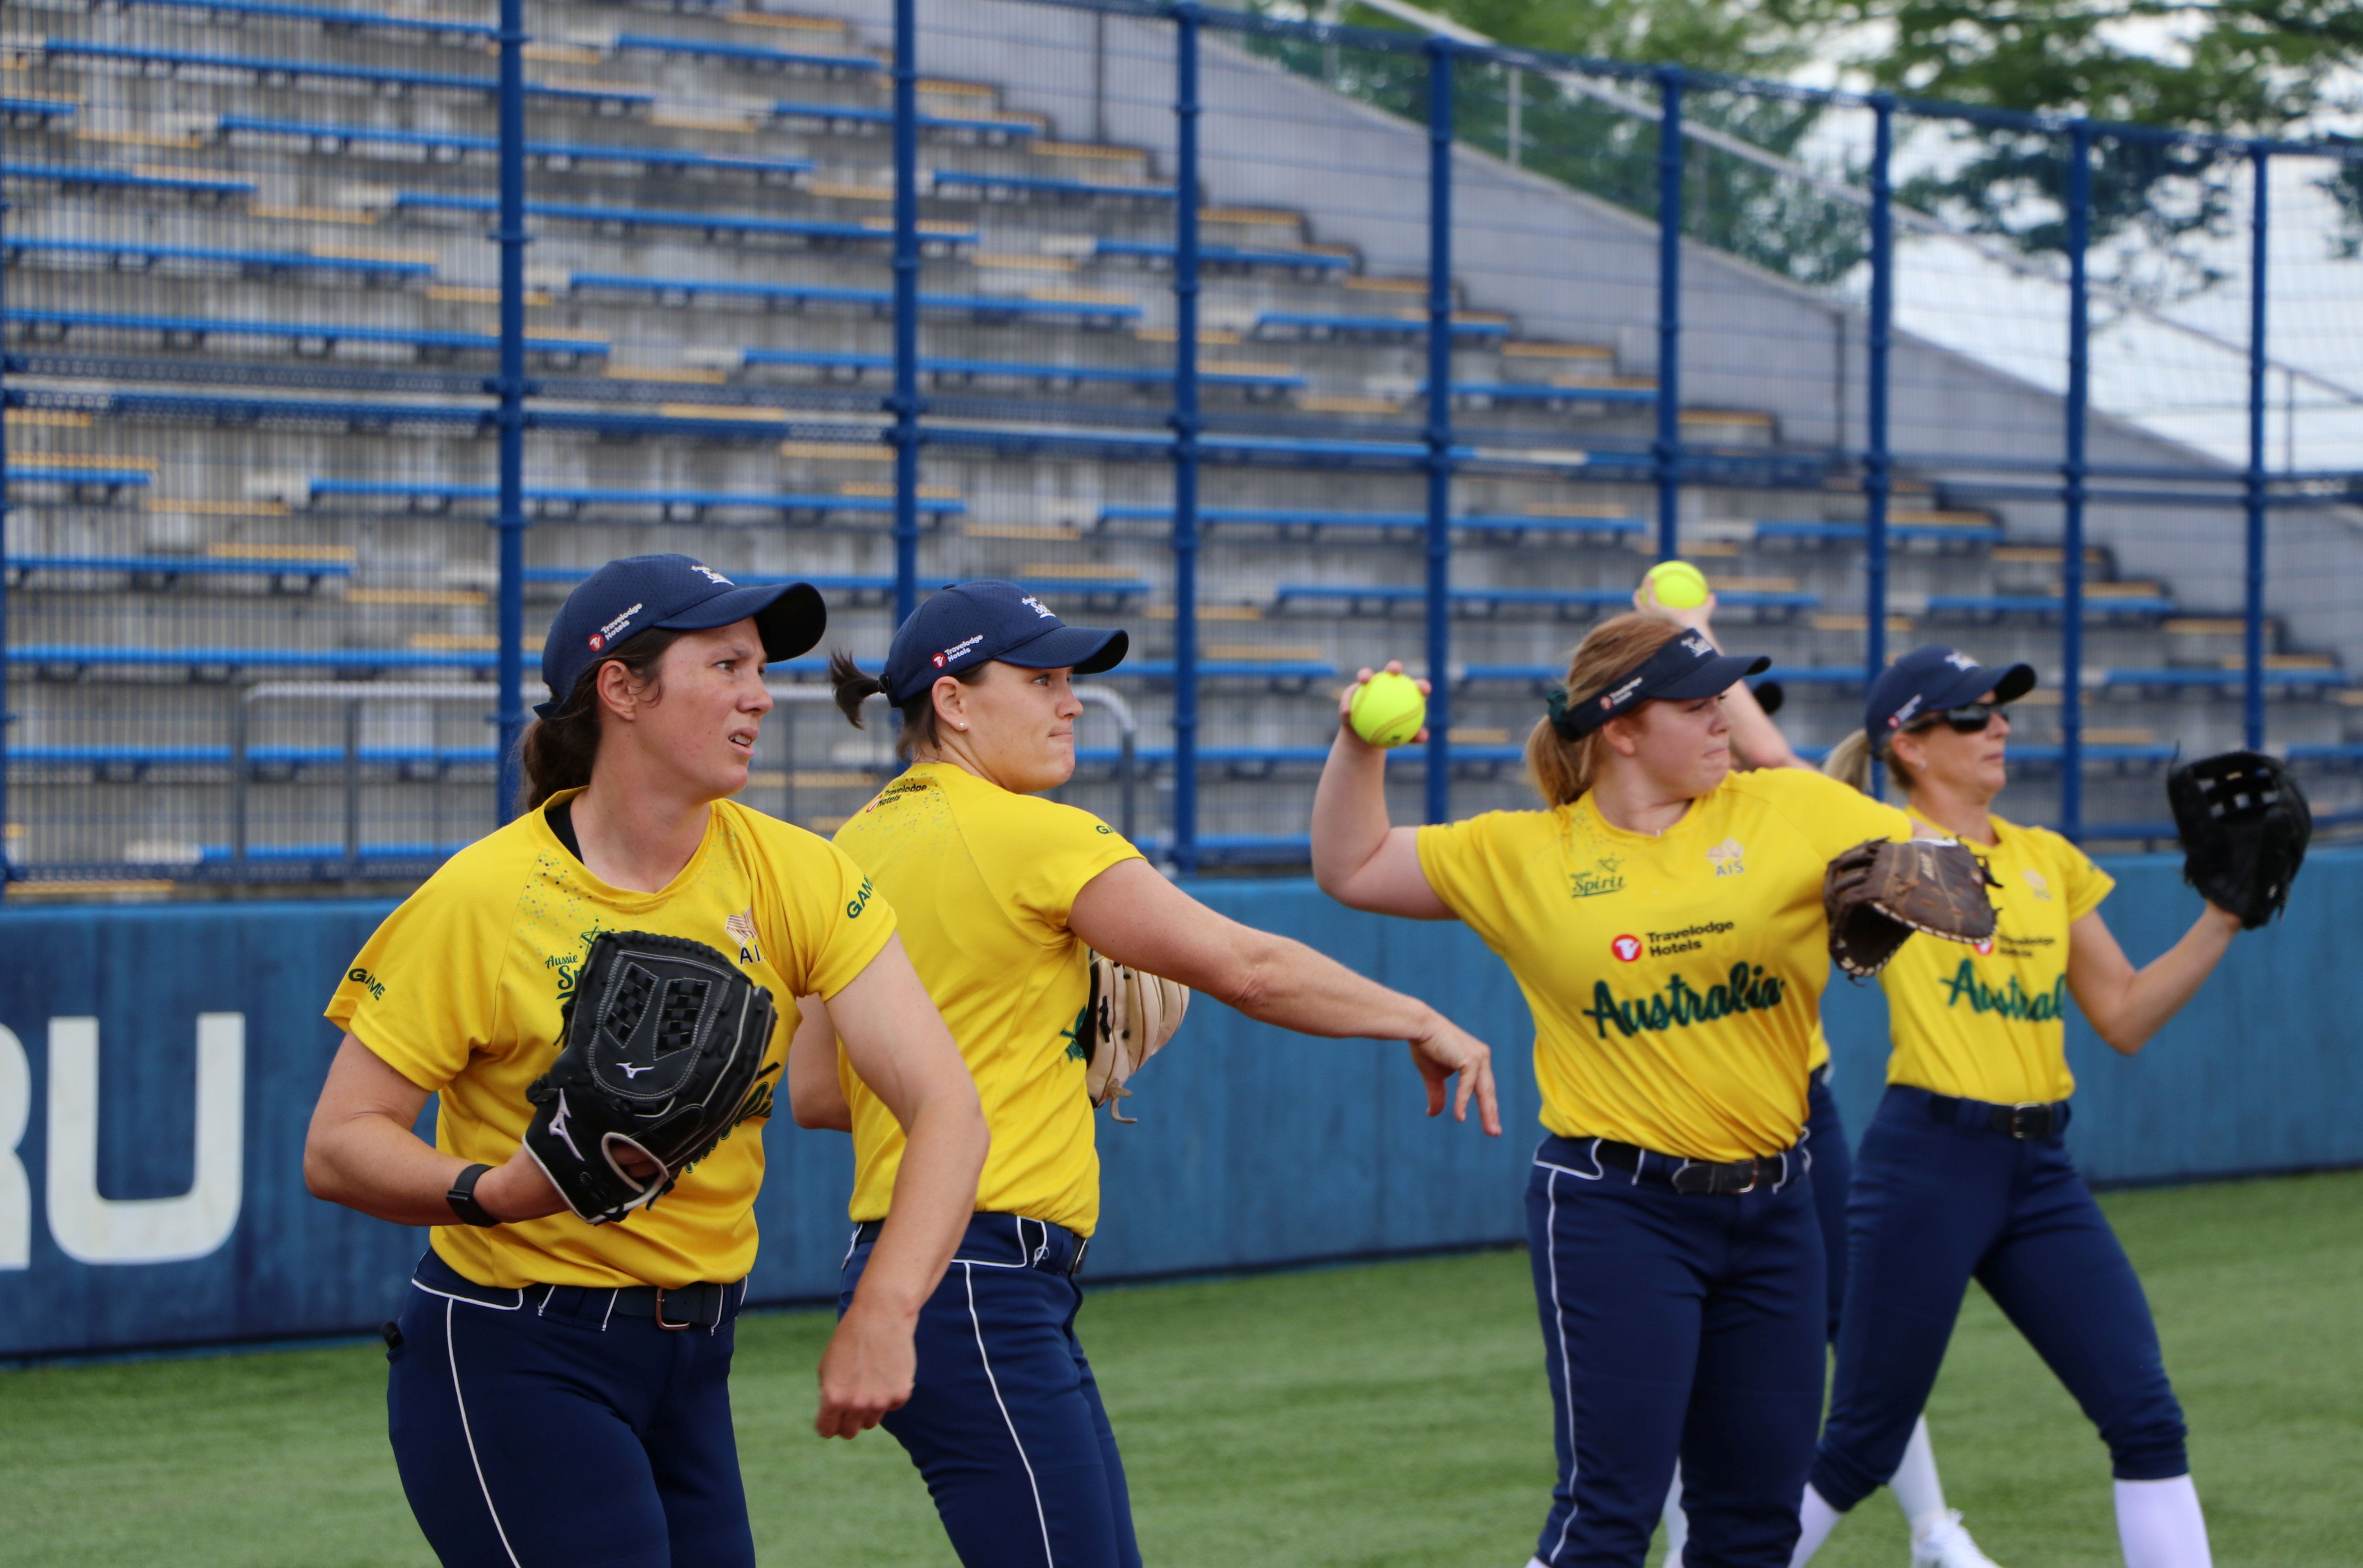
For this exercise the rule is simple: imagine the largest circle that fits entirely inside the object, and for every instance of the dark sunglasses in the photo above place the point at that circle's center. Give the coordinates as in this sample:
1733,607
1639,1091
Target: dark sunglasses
1969,719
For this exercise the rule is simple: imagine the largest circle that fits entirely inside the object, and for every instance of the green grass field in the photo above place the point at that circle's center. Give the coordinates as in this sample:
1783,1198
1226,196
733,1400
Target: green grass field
1386,1415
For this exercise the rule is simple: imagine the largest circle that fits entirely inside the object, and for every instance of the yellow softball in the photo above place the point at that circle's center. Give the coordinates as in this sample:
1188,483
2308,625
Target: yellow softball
1679,584
1388,709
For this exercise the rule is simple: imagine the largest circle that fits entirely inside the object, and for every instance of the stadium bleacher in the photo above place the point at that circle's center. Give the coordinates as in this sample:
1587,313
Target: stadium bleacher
210,490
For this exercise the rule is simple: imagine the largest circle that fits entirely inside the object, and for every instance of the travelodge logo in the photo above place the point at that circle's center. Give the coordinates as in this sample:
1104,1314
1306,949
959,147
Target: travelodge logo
606,634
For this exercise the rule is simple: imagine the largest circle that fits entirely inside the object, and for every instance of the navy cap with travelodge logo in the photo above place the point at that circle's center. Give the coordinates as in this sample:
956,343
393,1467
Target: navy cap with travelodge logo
677,594
971,624
1684,669
1928,680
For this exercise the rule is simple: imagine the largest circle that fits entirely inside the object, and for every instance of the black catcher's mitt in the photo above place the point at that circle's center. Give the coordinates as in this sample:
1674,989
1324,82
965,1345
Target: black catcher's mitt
662,1040
2245,825
1880,892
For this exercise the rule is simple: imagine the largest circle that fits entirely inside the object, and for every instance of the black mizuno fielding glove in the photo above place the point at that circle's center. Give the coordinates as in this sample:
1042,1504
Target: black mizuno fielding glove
662,1040
2245,825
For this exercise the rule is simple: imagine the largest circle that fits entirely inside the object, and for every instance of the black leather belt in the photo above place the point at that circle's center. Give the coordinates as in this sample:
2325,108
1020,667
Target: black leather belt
1008,1241
2034,1119
701,1306
1708,1178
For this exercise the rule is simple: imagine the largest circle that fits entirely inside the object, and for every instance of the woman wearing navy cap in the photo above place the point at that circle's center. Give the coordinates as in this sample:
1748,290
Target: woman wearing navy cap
1964,1174
1663,916
998,890
559,1391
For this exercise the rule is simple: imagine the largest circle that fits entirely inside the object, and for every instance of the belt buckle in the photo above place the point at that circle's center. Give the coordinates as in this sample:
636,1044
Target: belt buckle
1075,1263
2023,1123
662,1323
1755,1175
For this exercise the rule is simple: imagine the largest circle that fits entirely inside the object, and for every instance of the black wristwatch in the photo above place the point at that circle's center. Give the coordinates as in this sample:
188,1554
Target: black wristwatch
463,1198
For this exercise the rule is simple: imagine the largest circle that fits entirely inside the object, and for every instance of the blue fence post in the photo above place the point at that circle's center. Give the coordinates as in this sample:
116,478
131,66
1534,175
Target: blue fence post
906,403
1439,429
8,864
511,389
2252,643
1187,19
2072,494
1668,447
1877,475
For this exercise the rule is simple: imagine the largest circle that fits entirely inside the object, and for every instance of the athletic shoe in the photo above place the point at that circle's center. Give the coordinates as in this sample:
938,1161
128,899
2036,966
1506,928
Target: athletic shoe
1947,1545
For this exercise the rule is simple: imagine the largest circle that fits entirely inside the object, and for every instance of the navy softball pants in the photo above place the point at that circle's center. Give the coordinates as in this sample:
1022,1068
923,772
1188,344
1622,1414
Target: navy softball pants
1935,1204
1004,1422
555,1434
1675,1326
1826,1141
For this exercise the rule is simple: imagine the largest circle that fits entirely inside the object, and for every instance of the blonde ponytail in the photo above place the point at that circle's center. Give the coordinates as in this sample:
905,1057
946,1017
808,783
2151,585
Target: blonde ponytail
1563,769
1850,761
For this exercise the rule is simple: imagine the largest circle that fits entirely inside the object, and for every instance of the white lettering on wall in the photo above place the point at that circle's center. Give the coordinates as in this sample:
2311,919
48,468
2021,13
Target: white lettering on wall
16,1192
94,1230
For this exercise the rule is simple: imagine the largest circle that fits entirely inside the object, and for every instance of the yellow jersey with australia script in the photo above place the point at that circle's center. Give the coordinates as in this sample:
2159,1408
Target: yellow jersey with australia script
1989,1022
460,991
984,880
1675,978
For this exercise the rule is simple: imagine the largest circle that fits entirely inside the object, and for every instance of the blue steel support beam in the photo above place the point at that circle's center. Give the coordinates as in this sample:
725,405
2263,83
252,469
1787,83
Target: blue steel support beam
1439,429
2253,632
906,402
1187,19
1878,468
510,387
2072,475
1668,447
8,868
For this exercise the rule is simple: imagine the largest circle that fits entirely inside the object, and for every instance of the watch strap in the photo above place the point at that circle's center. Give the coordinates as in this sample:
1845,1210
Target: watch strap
463,1198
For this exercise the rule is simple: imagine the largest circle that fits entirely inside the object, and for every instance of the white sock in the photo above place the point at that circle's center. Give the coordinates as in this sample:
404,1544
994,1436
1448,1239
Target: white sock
2159,1524
1677,1523
1917,1490
1815,1519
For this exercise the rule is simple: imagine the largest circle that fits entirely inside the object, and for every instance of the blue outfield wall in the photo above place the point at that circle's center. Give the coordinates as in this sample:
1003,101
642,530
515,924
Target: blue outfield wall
1254,1148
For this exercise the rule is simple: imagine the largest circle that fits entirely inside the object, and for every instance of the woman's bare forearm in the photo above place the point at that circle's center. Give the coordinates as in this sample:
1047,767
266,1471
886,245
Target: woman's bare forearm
1349,810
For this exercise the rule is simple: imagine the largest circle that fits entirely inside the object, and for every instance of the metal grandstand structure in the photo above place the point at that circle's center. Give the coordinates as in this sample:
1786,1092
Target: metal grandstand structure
342,339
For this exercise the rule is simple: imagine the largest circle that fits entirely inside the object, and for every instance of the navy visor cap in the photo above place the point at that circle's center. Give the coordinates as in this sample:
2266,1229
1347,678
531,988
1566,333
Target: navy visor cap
677,593
1683,670
1928,680
969,623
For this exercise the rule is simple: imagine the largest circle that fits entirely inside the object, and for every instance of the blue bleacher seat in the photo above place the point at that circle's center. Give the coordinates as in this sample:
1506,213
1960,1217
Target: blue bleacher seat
858,365
1284,671
2335,753
682,290
2219,679
1996,605
203,327
1316,520
1322,261
1356,597
1793,528
1119,590
171,61
332,137
22,107
1041,184
701,223
383,21
139,758
743,54
39,472
869,115
182,566
1319,324
125,178
672,502
1545,674
119,251
117,656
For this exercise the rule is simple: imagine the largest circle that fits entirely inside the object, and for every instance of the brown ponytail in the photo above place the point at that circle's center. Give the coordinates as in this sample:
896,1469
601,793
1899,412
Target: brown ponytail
1563,769
853,689
558,753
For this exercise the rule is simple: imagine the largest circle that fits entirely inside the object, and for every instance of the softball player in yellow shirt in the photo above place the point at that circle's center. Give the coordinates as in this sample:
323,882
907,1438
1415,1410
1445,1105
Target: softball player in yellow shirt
999,891
1964,1172
1663,917
541,1413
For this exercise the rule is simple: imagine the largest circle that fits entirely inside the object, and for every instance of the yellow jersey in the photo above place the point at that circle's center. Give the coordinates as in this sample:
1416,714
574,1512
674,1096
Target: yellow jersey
984,880
459,991
1989,1022
1675,978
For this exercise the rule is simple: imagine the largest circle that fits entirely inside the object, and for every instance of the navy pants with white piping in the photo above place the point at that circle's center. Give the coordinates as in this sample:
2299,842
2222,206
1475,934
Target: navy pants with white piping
1004,1421
1937,1202
1826,1141
539,1430
1675,1325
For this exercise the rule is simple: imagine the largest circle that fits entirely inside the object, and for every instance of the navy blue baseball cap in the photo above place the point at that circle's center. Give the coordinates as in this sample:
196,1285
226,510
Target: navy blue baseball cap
1928,680
677,593
1683,670
971,623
